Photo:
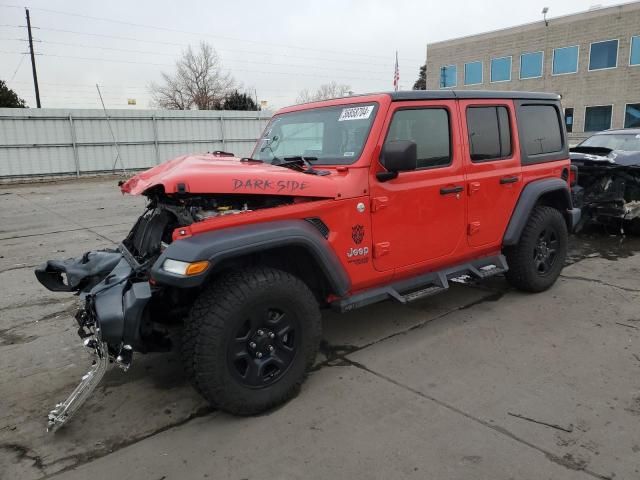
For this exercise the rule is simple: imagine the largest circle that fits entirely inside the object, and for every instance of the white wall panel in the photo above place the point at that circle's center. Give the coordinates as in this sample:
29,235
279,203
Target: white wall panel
41,141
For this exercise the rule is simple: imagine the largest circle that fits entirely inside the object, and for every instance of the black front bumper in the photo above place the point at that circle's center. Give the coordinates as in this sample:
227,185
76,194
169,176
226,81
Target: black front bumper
119,306
114,301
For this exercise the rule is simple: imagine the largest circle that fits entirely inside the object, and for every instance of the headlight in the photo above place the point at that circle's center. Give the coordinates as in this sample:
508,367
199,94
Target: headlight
184,268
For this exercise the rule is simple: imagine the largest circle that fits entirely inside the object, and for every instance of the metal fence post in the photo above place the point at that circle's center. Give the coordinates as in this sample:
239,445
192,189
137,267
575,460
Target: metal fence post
76,158
155,138
224,148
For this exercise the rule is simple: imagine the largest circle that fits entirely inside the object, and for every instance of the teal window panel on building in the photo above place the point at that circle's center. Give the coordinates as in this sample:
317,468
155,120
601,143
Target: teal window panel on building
565,60
634,57
473,73
501,69
531,65
448,76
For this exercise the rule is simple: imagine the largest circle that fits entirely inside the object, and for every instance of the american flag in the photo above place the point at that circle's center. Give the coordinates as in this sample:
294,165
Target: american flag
396,74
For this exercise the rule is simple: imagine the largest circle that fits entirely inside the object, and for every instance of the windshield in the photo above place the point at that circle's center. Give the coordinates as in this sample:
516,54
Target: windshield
325,136
628,142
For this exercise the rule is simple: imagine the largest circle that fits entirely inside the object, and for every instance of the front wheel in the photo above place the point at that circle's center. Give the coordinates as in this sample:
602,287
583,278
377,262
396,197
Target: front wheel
537,260
250,339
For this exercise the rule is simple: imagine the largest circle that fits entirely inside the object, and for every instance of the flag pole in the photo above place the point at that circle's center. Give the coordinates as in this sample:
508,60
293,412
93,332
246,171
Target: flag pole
396,74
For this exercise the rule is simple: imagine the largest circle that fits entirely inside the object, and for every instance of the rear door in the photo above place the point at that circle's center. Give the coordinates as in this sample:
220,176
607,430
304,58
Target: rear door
492,167
419,216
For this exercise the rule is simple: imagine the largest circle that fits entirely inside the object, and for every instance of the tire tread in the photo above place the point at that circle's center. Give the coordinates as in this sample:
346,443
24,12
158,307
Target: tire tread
204,328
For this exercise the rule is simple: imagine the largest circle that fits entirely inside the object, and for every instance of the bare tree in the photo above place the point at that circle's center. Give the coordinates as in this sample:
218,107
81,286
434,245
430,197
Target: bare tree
324,92
198,83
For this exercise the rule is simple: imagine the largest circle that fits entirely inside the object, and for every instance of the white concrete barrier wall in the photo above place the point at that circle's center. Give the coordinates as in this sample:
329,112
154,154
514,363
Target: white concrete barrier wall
48,142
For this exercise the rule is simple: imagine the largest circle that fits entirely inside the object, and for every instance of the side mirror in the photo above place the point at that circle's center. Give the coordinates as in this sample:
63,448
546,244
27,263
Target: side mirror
398,156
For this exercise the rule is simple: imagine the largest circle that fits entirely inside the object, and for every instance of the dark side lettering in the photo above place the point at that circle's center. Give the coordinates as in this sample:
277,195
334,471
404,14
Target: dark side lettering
264,185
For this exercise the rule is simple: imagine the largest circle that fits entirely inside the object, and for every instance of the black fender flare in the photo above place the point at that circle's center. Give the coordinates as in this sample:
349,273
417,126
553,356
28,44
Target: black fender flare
227,243
529,196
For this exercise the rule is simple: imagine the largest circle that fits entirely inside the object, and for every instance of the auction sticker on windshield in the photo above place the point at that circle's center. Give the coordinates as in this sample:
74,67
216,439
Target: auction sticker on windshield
356,113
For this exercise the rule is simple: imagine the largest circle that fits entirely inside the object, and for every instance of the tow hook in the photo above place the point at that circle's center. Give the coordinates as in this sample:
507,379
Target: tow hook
123,360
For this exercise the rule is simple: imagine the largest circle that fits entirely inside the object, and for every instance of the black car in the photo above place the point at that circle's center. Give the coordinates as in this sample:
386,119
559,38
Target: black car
608,189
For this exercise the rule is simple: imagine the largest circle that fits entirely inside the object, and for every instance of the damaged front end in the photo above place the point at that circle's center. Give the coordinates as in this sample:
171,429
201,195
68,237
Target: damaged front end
122,309
608,189
112,305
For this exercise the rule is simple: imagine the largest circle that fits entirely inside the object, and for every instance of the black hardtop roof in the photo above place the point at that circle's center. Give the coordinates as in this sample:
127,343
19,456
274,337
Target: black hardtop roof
453,93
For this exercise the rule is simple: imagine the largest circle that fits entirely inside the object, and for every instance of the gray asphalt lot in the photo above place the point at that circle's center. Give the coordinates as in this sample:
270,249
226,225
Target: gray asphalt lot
479,382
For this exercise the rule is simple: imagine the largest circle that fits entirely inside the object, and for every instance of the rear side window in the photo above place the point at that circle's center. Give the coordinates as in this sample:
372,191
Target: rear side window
429,129
489,133
540,129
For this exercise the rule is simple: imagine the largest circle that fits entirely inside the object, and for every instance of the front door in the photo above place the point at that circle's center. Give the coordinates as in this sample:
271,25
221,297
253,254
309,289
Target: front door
419,216
492,165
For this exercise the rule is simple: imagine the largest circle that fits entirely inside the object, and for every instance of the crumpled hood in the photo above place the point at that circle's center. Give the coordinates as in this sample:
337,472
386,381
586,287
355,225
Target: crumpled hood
215,174
604,156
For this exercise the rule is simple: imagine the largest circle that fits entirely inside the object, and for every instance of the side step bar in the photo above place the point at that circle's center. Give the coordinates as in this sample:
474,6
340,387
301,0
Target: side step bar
422,286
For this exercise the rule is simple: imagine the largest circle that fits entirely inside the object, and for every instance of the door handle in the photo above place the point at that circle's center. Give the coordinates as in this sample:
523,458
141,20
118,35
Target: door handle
450,190
505,180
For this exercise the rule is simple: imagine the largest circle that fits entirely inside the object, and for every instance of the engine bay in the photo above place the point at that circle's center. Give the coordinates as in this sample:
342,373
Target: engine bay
152,232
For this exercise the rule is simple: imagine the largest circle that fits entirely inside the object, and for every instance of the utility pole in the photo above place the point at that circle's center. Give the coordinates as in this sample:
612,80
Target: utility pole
33,60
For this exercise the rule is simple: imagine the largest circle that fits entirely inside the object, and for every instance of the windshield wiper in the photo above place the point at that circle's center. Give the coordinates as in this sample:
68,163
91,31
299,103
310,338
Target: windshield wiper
299,158
302,161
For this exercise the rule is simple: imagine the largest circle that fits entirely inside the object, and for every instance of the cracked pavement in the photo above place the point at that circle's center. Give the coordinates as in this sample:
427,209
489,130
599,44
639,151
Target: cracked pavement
478,382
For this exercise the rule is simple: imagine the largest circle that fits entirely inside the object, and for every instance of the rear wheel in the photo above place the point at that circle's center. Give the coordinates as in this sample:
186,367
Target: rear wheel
537,260
250,338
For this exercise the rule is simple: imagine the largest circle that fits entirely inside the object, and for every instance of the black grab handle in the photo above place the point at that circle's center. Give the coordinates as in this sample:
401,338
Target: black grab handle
450,190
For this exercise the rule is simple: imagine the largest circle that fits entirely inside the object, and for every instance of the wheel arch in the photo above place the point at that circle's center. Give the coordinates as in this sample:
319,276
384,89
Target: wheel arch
294,246
551,192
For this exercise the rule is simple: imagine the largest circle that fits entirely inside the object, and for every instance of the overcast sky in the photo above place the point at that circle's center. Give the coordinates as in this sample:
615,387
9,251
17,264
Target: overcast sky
275,48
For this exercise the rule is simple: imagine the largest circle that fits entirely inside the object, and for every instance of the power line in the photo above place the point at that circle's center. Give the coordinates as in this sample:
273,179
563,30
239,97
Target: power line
67,88
182,45
131,62
235,69
168,29
92,86
172,55
18,67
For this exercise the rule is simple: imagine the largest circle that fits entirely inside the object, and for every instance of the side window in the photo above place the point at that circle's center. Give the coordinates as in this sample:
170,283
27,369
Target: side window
489,133
429,129
540,129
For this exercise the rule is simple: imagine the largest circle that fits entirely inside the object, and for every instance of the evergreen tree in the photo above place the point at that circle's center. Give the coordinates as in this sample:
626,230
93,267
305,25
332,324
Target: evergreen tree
239,101
421,83
9,98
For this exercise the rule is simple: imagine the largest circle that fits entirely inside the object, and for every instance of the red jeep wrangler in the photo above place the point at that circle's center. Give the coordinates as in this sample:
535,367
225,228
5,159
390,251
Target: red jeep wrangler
342,204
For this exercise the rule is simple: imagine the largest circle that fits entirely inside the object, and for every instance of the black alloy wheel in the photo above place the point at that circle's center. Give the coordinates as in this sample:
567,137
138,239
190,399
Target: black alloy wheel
263,347
546,250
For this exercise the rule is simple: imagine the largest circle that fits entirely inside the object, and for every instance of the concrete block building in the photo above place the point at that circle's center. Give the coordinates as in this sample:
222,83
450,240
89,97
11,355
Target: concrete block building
591,58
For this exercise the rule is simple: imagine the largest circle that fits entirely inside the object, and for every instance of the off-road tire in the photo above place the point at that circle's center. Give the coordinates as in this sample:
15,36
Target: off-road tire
523,272
219,309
